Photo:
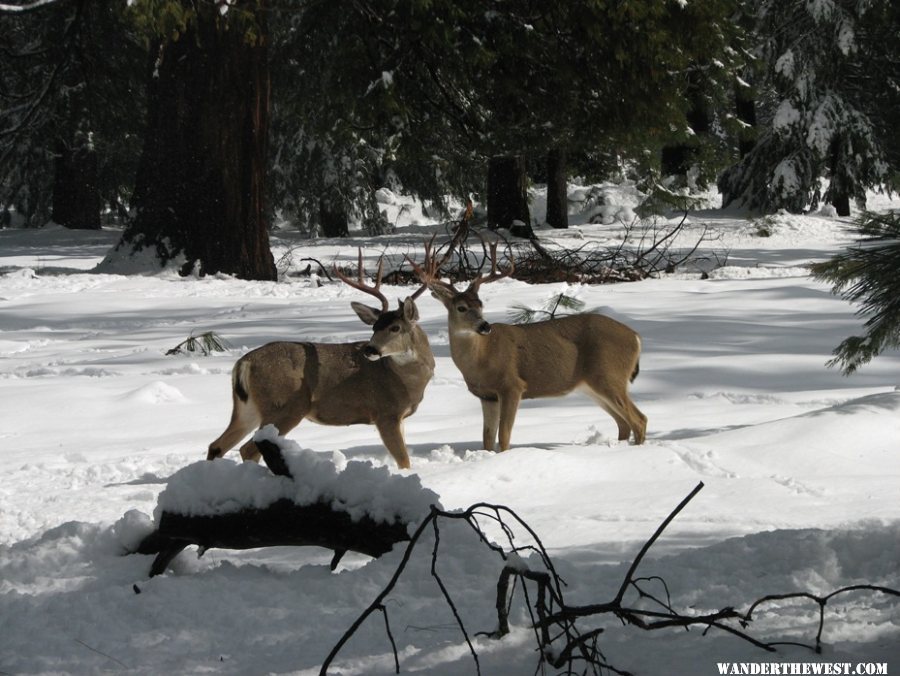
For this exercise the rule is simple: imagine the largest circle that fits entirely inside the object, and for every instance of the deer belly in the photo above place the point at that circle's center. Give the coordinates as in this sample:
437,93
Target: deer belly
542,391
339,415
483,393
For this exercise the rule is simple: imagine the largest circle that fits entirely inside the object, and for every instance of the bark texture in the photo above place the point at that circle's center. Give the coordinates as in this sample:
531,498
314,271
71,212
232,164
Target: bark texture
200,183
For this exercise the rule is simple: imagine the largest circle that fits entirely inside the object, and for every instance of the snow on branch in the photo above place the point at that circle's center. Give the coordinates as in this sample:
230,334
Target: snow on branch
305,500
26,6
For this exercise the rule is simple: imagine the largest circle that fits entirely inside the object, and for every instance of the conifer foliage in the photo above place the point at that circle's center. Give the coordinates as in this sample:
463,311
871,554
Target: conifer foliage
820,119
69,133
866,274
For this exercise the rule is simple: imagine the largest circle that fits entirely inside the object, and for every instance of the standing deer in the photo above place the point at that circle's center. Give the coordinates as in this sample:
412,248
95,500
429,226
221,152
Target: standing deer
376,382
503,364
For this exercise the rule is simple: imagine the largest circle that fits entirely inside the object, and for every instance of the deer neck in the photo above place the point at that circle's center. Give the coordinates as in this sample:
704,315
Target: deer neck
417,359
469,350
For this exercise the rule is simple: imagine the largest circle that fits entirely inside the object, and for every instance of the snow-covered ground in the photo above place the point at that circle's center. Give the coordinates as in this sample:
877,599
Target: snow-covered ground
801,465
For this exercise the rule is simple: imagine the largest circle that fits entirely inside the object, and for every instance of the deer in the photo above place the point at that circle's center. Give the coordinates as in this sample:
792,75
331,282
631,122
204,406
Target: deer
502,364
376,382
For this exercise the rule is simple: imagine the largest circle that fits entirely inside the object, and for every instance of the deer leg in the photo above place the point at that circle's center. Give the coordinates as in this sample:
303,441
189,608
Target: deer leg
490,411
638,421
244,418
509,405
621,423
628,417
284,422
391,432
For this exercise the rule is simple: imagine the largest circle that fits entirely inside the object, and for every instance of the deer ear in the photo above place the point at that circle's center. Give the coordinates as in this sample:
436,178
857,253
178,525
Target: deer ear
369,315
442,293
410,311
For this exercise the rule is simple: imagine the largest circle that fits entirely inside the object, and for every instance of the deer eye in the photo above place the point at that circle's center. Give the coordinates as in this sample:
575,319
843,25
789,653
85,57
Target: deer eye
395,329
461,308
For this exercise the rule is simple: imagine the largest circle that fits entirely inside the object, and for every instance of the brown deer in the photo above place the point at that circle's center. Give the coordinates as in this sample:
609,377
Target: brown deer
376,382
504,363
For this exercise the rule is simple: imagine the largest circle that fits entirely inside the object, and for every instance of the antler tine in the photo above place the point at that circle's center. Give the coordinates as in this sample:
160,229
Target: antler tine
421,273
493,275
361,283
428,271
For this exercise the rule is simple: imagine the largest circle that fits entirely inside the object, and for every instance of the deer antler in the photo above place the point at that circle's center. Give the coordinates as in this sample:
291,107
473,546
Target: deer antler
361,284
428,271
493,275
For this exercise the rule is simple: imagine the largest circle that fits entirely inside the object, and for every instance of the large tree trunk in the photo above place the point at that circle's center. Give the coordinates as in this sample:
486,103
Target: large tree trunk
557,196
507,197
200,183
76,197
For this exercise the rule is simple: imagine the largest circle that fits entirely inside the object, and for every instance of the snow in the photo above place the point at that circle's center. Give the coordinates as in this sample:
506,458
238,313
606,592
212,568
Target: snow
99,428
785,116
357,488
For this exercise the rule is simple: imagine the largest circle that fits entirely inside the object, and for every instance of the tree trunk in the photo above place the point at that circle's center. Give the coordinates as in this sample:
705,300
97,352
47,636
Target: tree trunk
507,198
199,190
76,198
557,196
838,194
745,108
332,219
841,203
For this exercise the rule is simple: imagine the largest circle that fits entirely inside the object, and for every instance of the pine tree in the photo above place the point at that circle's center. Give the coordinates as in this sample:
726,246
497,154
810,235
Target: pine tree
428,93
367,95
70,119
866,273
819,121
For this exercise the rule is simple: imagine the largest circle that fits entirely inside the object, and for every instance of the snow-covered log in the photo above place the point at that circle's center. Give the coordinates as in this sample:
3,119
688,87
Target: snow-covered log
306,500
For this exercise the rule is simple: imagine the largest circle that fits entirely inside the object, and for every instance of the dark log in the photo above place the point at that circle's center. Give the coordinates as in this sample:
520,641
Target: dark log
281,523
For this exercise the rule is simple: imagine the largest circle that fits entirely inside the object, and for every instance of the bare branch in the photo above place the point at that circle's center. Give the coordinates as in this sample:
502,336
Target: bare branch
554,622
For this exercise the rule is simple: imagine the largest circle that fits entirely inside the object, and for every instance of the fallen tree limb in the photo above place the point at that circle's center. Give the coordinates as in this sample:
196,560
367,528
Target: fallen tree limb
281,523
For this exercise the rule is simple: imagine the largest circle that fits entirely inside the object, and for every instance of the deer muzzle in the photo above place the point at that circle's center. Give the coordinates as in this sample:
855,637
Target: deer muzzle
371,353
483,328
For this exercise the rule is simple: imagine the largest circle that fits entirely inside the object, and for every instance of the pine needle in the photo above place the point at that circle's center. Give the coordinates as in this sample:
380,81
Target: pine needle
205,343
866,274
522,314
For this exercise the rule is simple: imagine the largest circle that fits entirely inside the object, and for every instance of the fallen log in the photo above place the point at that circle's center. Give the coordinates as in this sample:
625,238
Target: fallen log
283,522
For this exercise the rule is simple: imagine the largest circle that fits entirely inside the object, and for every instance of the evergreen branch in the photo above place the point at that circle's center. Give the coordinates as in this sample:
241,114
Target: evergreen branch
206,343
866,274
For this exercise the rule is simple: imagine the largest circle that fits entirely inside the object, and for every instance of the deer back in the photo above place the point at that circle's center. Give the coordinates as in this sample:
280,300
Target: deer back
341,383
548,358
